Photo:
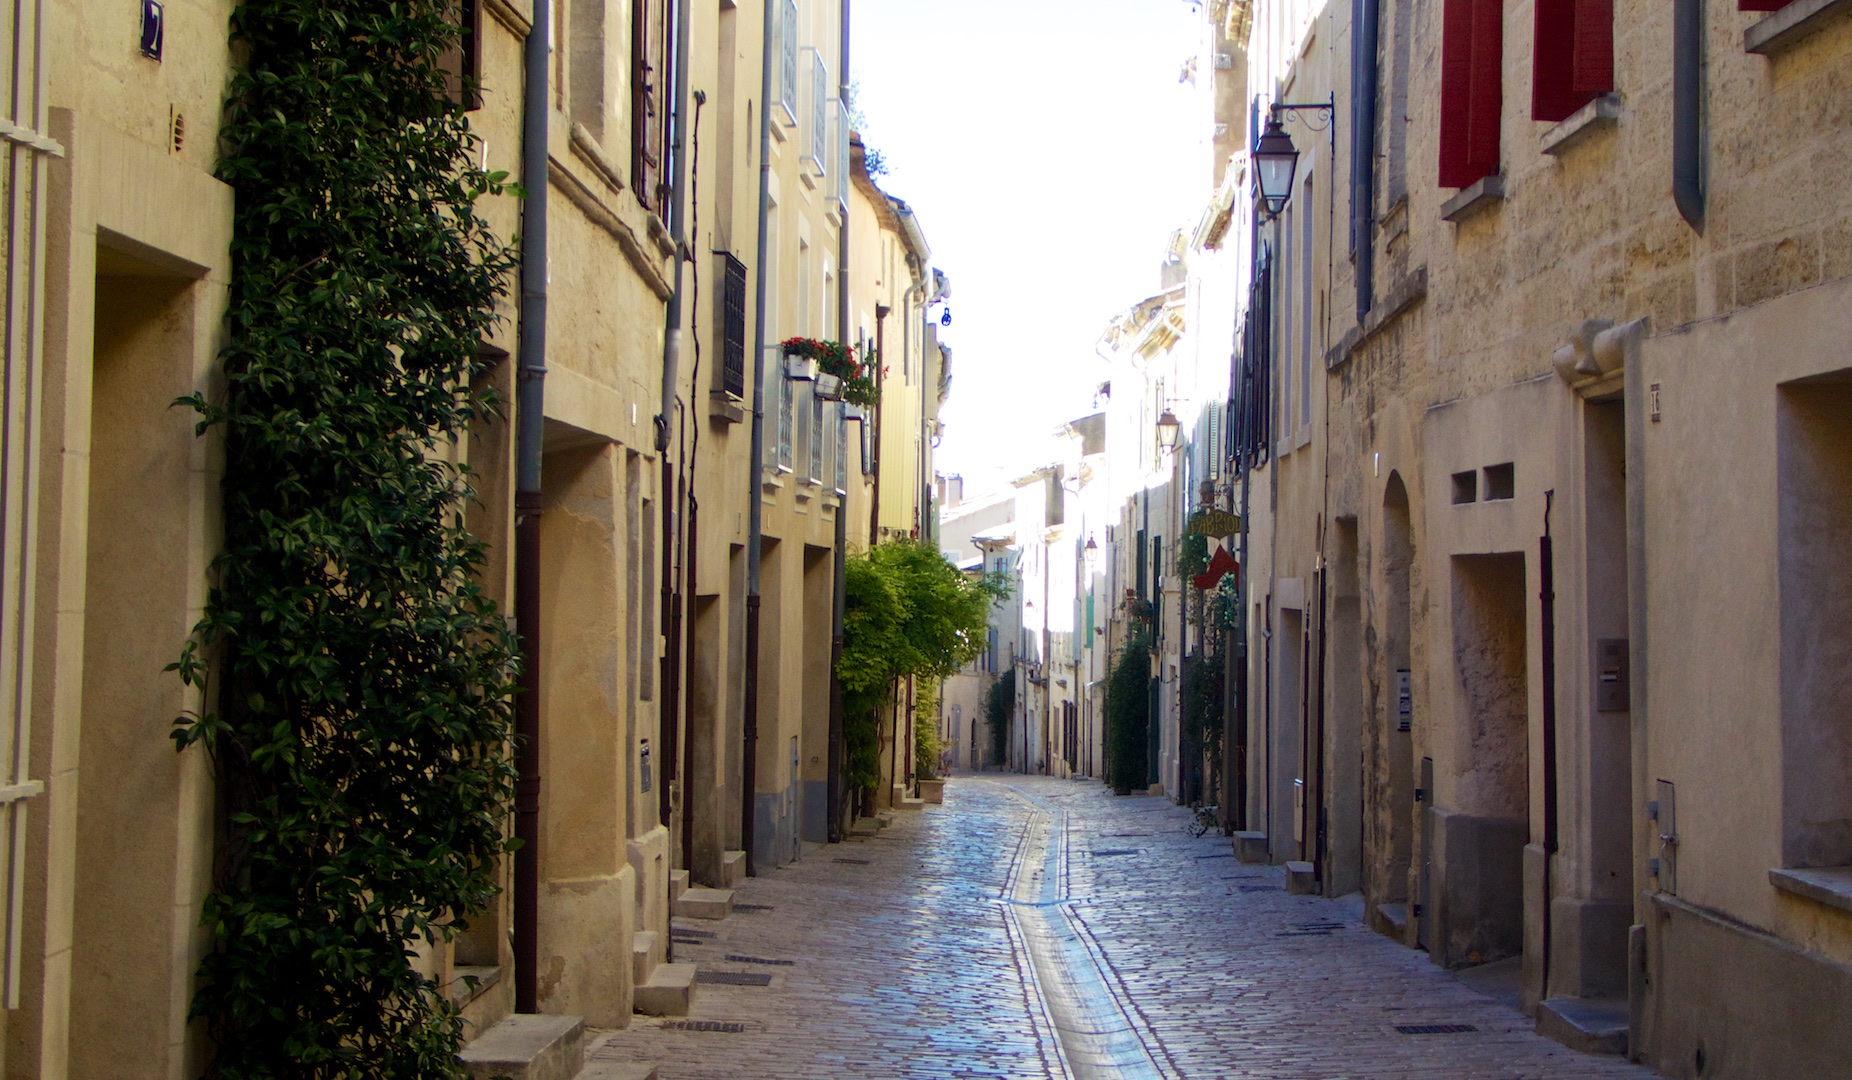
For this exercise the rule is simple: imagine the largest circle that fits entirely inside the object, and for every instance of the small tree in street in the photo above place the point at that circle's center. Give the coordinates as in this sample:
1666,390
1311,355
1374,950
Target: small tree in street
997,709
1128,707
907,613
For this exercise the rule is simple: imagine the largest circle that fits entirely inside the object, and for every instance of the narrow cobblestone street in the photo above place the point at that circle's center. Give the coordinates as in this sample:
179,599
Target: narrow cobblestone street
1041,928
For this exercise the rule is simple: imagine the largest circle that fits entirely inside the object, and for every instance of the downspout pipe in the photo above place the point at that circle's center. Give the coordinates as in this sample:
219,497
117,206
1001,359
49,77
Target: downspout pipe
834,812
1688,111
530,423
1546,572
1363,153
755,516
674,499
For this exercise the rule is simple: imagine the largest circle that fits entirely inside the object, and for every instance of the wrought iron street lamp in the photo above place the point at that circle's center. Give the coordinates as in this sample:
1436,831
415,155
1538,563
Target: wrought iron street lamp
1168,428
1275,160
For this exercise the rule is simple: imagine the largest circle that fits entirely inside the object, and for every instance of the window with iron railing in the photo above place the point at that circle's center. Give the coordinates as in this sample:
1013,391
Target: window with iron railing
787,408
730,320
842,156
815,475
787,66
817,138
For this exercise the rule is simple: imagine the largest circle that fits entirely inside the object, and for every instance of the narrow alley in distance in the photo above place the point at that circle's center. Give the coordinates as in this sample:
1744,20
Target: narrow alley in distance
967,939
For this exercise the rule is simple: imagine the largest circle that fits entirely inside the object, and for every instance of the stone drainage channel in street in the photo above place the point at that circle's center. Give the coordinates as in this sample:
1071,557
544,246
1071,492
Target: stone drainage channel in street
1096,1037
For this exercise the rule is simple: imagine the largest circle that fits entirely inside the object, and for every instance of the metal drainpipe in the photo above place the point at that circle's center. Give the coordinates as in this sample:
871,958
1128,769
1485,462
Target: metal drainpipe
838,557
1688,111
28,163
1363,153
874,446
530,423
755,535
1546,570
674,492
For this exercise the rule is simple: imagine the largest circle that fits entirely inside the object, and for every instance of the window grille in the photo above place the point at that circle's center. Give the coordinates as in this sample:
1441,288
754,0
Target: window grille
787,68
817,133
787,405
731,320
815,475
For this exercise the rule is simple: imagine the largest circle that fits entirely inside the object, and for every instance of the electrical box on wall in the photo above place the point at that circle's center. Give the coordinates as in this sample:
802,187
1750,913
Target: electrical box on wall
643,774
153,29
1611,675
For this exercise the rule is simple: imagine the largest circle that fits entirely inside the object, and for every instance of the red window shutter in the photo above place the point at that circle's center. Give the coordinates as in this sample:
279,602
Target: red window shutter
1761,5
1456,69
1594,48
1552,93
1487,78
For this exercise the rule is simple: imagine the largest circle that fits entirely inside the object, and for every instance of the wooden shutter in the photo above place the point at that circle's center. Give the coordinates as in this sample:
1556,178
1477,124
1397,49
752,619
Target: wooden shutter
1594,47
1456,71
649,82
1552,91
1487,82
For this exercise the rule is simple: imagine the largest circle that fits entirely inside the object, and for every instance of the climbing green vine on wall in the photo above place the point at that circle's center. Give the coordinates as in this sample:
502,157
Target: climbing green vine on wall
361,715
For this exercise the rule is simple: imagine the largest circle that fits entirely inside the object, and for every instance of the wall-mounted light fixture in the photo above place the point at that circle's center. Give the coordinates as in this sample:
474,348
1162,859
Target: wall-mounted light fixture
1275,156
1168,428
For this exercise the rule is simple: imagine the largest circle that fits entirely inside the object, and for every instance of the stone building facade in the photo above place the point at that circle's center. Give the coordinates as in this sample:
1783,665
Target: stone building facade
118,254
1548,450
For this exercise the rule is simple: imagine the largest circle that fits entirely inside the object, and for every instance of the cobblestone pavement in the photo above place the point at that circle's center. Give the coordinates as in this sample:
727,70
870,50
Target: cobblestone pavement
903,955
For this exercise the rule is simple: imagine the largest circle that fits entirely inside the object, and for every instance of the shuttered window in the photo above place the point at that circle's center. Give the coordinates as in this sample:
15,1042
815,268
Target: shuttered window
649,71
1471,50
461,63
817,135
1574,56
787,57
731,319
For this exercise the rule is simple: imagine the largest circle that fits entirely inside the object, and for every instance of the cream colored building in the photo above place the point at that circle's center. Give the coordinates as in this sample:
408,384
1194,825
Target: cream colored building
117,246
1553,462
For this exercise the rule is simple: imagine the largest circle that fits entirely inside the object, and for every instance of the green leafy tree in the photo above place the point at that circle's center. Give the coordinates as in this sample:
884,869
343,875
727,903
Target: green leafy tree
363,704
907,612
1128,707
997,709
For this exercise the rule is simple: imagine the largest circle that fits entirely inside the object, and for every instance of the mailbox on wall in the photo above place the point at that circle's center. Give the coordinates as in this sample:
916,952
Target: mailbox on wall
1611,675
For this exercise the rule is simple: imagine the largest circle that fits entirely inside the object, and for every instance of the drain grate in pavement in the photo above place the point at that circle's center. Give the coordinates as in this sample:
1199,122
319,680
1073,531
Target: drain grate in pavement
759,960
733,978
1434,1029
697,934
1257,888
1303,933
1114,851
725,1027
752,907
851,862
1218,855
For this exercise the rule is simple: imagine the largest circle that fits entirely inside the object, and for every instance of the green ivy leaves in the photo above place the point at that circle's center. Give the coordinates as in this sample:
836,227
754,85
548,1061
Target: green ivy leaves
364,679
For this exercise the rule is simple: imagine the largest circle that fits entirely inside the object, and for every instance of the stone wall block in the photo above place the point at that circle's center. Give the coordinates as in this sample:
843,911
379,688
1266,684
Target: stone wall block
1777,267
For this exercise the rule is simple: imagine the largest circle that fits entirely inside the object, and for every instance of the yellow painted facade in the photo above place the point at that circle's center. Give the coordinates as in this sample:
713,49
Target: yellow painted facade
118,254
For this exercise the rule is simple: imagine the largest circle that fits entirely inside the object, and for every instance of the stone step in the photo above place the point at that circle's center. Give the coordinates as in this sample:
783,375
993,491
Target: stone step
526,1046
1394,917
1588,1025
911,803
642,956
698,903
678,884
619,1070
732,869
1301,878
669,991
1251,847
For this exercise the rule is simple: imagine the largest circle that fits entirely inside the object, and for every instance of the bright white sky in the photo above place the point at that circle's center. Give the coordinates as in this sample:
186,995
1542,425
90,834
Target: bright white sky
1049,150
